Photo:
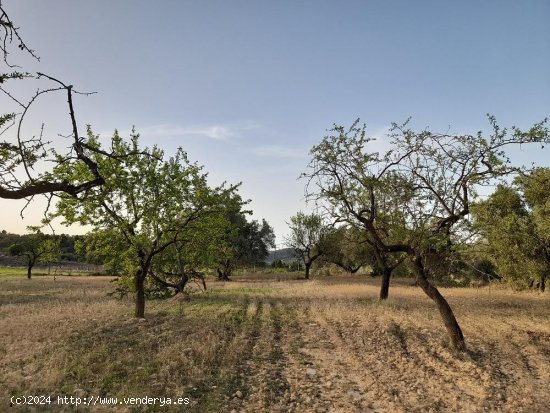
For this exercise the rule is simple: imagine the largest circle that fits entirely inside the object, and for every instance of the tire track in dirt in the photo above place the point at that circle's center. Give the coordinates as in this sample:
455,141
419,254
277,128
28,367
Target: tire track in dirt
321,381
279,387
210,391
239,387
257,366
269,390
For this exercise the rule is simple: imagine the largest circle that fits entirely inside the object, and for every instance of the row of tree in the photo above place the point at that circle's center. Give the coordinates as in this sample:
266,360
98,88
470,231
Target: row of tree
509,240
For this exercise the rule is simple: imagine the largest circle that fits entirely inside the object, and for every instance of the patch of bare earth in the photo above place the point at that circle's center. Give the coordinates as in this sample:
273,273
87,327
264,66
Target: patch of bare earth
344,352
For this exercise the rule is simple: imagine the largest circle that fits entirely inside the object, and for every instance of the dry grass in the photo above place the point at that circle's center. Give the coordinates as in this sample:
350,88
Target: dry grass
320,346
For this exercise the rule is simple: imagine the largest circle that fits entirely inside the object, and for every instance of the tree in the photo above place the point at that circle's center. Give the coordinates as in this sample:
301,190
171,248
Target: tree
36,247
354,189
536,191
245,244
150,203
512,225
307,238
52,254
413,199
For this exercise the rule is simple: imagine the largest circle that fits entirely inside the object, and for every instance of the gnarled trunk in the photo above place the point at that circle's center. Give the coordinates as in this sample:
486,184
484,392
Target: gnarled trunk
140,294
348,267
385,286
30,265
542,283
382,261
308,266
449,320
353,270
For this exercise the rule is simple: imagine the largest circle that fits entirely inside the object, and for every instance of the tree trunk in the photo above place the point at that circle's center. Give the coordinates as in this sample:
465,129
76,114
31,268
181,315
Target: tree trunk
183,282
453,329
223,275
30,265
385,286
542,283
140,294
308,266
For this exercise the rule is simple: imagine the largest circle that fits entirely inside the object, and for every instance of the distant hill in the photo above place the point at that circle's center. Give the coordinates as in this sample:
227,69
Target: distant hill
284,254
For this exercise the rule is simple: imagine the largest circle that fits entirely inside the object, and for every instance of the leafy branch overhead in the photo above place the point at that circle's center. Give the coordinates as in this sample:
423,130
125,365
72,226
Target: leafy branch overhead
25,160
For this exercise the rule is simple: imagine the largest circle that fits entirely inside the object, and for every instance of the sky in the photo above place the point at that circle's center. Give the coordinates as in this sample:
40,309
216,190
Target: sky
248,87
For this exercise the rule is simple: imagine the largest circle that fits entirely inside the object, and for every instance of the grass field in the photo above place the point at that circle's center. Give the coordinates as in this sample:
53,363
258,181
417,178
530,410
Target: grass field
262,345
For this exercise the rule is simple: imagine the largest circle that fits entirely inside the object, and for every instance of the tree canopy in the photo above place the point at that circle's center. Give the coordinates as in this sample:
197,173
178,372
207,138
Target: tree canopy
414,198
308,235
152,205
513,225
246,243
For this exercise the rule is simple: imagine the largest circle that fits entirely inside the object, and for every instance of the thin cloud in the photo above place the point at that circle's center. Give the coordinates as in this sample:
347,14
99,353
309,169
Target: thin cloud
167,130
216,132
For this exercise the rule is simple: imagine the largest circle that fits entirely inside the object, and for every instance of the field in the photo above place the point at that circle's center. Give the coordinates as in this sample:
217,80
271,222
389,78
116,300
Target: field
272,345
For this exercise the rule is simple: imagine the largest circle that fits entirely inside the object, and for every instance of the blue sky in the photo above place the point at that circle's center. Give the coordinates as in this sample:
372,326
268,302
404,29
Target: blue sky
248,87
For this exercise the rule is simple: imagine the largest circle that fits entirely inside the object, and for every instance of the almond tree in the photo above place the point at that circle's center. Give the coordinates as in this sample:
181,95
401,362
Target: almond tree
307,238
414,198
151,203
36,247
